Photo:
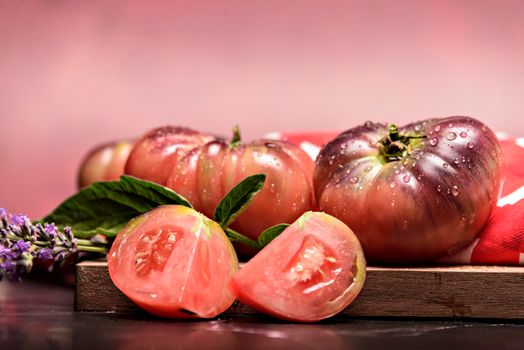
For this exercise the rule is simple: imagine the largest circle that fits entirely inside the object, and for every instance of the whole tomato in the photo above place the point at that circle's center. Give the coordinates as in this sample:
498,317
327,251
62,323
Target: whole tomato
154,154
412,193
204,169
105,162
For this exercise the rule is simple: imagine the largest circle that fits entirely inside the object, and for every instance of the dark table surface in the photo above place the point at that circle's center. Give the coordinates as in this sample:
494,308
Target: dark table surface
39,315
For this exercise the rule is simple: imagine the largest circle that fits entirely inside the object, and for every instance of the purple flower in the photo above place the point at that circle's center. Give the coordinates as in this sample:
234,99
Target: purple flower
50,229
18,219
21,241
6,254
21,246
45,254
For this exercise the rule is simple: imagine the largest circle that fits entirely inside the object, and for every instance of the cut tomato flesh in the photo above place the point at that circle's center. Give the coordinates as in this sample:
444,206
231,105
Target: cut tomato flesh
312,271
174,262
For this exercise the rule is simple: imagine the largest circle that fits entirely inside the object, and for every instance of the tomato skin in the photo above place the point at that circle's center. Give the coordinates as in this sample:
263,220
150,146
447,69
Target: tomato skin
430,202
104,163
206,175
174,262
155,153
204,169
311,271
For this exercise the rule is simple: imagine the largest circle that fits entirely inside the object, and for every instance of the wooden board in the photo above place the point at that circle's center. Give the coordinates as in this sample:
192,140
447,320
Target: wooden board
450,292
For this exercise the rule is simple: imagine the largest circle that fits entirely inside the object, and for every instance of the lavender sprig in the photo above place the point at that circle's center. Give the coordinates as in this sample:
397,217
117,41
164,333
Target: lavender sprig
21,241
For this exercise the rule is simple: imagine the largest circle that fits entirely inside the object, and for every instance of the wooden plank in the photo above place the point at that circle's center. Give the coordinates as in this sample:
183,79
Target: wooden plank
433,291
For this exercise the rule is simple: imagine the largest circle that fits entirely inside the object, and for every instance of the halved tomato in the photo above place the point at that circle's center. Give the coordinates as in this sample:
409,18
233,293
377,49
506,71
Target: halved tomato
312,271
174,262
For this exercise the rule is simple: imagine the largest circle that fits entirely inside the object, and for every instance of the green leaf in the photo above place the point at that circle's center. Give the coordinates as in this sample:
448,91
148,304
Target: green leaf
237,200
105,207
270,234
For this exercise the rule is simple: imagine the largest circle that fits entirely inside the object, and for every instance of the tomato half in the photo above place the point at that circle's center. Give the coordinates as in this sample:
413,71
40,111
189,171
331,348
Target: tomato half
312,271
174,262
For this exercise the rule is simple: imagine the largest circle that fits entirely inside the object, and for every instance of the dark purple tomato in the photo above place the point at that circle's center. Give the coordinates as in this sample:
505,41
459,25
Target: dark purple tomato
414,193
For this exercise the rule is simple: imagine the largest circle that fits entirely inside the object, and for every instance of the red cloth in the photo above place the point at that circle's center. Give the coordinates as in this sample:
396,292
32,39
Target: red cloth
502,240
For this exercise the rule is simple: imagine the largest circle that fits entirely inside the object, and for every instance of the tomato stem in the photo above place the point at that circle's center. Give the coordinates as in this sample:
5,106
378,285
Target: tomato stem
235,236
395,146
235,140
393,132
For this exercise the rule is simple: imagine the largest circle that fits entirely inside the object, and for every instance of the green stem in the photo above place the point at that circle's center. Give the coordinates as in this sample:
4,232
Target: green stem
235,236
88,246
92,248
393,132
235,140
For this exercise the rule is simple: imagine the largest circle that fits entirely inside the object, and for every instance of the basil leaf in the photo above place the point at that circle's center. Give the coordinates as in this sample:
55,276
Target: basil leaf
236,201
270,234
105,207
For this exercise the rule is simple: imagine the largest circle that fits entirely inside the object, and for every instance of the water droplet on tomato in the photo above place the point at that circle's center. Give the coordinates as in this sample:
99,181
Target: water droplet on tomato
437,128
439,189
463,134
353,180
450,125
433,141
418,127
392,185
445,165
455,190
397,171
470,145
463,159
450,136
368,168
456,161
419,177
406,178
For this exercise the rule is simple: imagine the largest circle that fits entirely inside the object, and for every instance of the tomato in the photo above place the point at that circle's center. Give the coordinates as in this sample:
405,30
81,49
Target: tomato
174,262
155,153
206,170
104,163
312,271
412,194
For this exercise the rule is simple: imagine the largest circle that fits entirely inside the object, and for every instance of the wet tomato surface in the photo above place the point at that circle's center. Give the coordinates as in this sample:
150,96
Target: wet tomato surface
204,170
174,262
312,271
412,193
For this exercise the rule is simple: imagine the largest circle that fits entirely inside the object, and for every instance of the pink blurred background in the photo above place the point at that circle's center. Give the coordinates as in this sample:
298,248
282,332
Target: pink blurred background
77,73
